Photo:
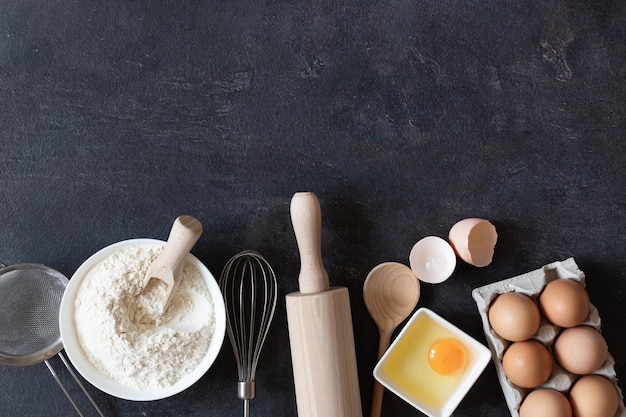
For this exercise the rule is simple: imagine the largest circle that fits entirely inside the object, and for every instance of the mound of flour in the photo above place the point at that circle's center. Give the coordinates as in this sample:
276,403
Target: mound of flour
120,328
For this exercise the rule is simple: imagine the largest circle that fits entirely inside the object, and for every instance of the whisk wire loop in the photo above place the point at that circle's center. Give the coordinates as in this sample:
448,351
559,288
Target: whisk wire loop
249,287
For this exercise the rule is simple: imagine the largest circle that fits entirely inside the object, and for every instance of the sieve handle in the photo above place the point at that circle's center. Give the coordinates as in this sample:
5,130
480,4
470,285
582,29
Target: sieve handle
66,392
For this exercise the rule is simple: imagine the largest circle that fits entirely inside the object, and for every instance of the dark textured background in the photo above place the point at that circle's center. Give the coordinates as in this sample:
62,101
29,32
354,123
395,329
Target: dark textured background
403,116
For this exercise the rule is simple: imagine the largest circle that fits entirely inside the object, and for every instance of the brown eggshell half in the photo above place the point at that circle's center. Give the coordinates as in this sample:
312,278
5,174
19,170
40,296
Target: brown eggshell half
474,240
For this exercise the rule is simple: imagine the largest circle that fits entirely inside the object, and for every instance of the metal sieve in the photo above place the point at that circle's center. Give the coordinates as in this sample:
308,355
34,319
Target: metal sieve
29,320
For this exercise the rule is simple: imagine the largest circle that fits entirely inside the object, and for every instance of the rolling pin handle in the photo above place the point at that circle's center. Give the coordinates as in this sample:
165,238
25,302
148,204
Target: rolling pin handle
306,217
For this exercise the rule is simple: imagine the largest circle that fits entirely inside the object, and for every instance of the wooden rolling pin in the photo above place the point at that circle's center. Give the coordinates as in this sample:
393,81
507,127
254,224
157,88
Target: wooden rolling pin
320,326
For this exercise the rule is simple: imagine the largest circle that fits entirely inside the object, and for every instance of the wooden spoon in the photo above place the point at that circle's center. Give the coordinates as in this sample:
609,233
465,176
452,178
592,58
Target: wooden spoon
168,266
390,292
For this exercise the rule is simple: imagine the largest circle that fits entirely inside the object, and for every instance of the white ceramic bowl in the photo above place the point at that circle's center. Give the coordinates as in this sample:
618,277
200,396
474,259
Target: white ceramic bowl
115,388
404,368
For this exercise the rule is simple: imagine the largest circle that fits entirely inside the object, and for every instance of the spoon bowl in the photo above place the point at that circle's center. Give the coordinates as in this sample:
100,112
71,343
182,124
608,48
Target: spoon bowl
391,291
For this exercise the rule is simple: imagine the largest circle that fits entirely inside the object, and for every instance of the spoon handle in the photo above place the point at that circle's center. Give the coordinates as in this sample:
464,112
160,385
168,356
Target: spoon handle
168,265
184,234
379,390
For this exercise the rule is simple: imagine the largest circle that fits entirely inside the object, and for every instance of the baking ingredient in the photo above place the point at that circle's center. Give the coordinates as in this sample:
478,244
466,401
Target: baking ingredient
447,356
527,364
580,350
594,396
564,302
474,240
432,260
545,402
405,368
407,364
121,329
533,283
514,316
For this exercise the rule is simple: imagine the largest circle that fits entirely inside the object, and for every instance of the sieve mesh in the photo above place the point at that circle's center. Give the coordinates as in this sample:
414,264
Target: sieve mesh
29,313
30,300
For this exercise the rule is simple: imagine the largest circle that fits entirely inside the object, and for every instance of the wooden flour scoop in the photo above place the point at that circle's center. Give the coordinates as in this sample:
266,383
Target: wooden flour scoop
168,266
320,327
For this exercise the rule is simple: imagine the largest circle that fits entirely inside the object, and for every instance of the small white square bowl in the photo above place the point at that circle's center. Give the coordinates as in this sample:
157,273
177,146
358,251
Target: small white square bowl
478,358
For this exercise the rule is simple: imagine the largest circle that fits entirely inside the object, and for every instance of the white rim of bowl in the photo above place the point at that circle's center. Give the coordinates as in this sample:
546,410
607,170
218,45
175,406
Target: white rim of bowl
115,388
473,372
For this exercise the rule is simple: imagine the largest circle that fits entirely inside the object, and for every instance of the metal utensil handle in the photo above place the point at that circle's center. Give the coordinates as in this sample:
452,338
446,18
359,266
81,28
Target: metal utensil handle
66,392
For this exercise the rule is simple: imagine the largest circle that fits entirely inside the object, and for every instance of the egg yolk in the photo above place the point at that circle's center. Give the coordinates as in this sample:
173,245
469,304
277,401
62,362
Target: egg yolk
447,356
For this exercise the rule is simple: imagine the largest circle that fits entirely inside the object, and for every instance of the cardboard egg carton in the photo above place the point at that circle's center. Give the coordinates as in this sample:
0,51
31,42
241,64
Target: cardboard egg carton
531,284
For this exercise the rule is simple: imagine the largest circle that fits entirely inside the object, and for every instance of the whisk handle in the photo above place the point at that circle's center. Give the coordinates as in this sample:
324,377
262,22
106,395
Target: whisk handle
306,217
246,390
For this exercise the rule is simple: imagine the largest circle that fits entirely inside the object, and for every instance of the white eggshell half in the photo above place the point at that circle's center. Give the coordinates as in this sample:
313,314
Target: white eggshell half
432,260
474,240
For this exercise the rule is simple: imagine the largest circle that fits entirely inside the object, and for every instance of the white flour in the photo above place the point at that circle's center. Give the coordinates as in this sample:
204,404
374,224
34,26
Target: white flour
121,331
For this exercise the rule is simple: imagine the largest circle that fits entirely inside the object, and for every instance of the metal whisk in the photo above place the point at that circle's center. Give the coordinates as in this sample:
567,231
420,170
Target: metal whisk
248,284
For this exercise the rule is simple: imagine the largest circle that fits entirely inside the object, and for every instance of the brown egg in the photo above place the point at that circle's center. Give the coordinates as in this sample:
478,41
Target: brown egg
545,402
594,396
527,364
580,350
514,316
564,302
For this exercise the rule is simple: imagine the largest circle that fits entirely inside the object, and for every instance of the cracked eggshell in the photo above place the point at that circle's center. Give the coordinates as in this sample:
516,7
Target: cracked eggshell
474,240
432,260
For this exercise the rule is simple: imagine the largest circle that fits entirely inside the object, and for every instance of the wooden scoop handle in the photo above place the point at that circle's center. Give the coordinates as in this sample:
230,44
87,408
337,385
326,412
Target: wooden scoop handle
168,265
306,217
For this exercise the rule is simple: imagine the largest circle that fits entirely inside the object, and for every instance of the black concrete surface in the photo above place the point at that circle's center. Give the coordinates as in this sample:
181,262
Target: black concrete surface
402,116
